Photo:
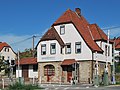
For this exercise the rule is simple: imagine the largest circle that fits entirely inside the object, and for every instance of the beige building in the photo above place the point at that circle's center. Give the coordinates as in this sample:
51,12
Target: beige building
73,49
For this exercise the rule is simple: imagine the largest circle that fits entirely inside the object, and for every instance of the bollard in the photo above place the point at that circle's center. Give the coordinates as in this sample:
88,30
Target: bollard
3,83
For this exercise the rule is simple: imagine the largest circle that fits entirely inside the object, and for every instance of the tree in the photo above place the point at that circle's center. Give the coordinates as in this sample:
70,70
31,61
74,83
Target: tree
27,53
3,67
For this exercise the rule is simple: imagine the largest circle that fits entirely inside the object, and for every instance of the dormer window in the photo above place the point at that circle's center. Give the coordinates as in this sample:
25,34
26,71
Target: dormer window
62,30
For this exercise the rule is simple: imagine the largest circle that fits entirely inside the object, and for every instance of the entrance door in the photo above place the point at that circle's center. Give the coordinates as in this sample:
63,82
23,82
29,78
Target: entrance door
69,76
25,72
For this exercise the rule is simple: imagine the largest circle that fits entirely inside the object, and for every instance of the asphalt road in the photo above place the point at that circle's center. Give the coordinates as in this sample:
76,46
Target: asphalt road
79,87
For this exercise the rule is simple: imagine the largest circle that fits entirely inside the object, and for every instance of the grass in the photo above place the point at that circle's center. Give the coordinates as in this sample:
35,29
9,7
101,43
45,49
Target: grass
19,86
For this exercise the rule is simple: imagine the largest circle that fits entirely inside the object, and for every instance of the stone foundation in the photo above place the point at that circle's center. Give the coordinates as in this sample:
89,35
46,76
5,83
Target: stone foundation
86,72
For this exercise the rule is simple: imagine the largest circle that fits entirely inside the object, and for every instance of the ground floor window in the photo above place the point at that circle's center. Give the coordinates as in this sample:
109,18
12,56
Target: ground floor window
49,70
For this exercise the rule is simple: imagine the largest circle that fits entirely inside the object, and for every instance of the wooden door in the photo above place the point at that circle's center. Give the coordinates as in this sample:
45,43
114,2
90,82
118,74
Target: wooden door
25,72
69,76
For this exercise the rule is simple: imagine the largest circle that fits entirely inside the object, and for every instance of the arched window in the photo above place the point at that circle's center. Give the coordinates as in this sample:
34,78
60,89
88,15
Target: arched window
49,70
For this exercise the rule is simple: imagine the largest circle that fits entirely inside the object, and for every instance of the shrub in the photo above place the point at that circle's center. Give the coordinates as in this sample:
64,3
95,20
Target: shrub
19,86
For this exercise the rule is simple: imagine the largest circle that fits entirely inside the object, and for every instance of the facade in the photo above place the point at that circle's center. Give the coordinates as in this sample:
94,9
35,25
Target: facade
7,53
28,68
73,49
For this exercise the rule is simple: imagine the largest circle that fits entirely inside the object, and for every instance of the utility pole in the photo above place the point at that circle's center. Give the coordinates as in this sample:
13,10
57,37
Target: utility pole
105,78
18,64
33,44
113,73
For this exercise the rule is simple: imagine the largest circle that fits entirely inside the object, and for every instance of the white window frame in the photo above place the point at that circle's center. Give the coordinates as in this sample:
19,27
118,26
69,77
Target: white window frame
77,46
53,50
62,30
68,50
43,49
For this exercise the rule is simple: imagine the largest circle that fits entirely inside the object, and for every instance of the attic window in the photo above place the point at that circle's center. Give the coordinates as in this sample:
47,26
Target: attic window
62,30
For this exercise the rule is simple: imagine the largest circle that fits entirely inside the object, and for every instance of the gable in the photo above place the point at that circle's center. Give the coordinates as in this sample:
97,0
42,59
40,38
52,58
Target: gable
81,26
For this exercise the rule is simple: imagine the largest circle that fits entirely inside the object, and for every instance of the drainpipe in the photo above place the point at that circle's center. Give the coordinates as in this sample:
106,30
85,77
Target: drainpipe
92,68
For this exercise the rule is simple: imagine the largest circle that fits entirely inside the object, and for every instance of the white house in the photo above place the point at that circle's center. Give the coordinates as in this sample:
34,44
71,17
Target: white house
117,49
72,49
7,53
28,68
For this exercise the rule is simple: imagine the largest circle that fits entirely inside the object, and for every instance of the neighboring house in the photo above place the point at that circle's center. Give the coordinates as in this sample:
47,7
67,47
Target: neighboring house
7,53
117,49
28,68
70,49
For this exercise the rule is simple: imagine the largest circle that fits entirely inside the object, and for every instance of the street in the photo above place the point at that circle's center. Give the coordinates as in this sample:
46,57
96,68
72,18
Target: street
79,87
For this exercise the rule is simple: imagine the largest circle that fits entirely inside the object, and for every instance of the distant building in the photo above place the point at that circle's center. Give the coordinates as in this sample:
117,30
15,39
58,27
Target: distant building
28,68
117,49
70,48
7,53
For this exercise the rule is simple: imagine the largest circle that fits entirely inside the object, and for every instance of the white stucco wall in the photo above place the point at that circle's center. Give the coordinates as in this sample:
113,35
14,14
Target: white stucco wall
18,73
71,36
32,74
102,57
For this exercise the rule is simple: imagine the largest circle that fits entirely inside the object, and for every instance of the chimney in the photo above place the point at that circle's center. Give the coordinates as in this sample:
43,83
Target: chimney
78,11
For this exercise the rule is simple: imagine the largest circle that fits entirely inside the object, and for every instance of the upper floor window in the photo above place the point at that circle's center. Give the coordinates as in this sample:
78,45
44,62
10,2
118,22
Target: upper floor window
62,30
43,49
53,48
68,48
6,49
78,47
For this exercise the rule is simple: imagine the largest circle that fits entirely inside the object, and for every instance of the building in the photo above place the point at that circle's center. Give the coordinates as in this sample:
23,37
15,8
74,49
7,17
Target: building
7,53
73,49
117,49
28,68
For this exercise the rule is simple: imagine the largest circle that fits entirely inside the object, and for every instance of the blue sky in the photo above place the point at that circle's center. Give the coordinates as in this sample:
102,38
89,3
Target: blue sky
20,19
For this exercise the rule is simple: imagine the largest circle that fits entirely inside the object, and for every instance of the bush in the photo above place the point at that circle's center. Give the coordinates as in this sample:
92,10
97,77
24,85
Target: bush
19,86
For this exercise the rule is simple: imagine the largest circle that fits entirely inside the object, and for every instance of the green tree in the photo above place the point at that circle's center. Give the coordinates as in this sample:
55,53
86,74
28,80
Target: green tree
27,53
3,67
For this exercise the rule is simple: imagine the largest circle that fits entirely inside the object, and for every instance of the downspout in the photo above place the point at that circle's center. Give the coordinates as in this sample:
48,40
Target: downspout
92,68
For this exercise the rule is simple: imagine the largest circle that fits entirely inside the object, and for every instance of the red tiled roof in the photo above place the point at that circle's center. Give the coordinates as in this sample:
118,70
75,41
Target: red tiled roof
81,25
97,33
27,61
3,44
52,34
68,62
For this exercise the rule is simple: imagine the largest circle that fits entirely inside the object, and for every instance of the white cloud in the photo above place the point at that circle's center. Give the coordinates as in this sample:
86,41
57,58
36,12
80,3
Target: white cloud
18,42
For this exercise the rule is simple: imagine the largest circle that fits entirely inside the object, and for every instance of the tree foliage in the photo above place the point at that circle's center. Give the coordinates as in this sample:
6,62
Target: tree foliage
3,66
27,53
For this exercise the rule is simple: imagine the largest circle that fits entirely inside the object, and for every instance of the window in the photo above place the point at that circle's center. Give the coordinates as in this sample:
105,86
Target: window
35,68
5,49
12,62
78,47
43,49
68,48
61,50
49,70
62,30
53,48
107,50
